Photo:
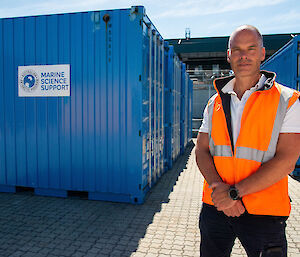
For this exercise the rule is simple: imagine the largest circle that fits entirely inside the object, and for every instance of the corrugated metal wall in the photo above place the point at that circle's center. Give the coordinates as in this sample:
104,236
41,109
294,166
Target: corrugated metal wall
169,104
286,63
56,143
107,137
177,108
190,118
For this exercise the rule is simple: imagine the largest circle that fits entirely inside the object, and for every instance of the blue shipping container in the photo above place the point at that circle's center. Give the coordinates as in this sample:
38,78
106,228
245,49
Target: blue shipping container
190,118
186,109
183,112
106,137
169,104
177,108
286,63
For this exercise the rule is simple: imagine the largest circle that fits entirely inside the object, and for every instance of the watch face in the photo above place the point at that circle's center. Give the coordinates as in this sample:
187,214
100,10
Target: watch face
233,193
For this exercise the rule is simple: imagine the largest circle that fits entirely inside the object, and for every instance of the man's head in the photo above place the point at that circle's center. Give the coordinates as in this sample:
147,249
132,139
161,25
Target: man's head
245,51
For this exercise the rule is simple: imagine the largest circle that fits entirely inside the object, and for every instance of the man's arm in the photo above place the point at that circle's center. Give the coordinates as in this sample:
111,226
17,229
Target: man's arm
283,163
204,159
206,166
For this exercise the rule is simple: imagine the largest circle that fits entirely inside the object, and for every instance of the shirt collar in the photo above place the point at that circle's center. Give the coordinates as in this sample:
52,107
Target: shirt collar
228,88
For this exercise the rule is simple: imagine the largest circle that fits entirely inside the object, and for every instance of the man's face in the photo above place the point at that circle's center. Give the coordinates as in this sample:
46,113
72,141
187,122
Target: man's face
245,53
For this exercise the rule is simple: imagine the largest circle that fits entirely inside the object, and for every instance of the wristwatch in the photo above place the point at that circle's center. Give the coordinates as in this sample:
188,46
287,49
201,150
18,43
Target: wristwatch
233,193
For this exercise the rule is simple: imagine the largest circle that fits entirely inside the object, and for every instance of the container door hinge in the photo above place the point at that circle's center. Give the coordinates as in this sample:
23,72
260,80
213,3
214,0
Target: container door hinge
140,78
140,133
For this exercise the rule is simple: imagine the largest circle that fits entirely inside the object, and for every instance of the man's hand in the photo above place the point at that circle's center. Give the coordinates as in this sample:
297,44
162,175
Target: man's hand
220,196
236,210
223,202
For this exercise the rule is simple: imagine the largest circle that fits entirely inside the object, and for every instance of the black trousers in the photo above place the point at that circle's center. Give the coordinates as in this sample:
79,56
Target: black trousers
261,236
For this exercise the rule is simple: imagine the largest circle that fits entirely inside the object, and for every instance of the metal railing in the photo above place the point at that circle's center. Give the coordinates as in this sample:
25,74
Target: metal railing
203,89
200,77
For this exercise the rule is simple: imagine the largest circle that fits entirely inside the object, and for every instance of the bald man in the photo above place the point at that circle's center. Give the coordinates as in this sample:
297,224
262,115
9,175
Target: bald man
247,145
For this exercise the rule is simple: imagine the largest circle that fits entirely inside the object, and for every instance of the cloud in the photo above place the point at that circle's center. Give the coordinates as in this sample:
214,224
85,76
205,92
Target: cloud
284,22
27,8
15,8
193,8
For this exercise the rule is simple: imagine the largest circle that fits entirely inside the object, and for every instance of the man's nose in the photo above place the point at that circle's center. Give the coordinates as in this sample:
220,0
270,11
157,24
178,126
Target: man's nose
243,55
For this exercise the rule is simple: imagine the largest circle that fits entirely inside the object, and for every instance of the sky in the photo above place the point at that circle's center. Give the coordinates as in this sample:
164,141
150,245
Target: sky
204,18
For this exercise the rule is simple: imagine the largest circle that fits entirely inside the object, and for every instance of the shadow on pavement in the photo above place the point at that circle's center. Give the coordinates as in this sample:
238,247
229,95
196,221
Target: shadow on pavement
43,226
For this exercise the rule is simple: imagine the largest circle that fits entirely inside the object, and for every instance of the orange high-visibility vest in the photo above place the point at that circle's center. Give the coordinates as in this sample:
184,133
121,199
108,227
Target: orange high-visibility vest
261,122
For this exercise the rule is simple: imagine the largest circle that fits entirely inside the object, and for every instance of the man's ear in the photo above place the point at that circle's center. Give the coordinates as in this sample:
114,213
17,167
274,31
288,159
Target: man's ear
263,53
228,55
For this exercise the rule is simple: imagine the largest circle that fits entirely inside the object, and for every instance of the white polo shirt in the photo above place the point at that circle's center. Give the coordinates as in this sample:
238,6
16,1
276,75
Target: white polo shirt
291,123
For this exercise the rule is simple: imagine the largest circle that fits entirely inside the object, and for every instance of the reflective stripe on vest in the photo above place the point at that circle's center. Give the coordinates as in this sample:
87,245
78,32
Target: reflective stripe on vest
210,110
219,150
281,111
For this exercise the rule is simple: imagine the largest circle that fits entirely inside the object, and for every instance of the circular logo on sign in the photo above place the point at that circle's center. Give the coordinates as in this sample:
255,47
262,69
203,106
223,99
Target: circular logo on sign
29,80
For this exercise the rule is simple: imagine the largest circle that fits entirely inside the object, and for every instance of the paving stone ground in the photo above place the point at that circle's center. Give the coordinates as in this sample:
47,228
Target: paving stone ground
165,225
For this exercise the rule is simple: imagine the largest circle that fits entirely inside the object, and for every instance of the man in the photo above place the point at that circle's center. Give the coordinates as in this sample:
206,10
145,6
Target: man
248,143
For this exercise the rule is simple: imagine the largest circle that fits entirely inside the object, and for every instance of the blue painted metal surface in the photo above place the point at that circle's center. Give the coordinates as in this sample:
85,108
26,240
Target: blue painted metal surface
156,96
169,105
97,139
190,118
183,109
177,108
109,137
186,109
286,63
182,105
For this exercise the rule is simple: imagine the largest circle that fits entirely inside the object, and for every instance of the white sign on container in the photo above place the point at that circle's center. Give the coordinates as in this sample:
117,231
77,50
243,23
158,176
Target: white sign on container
44,80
